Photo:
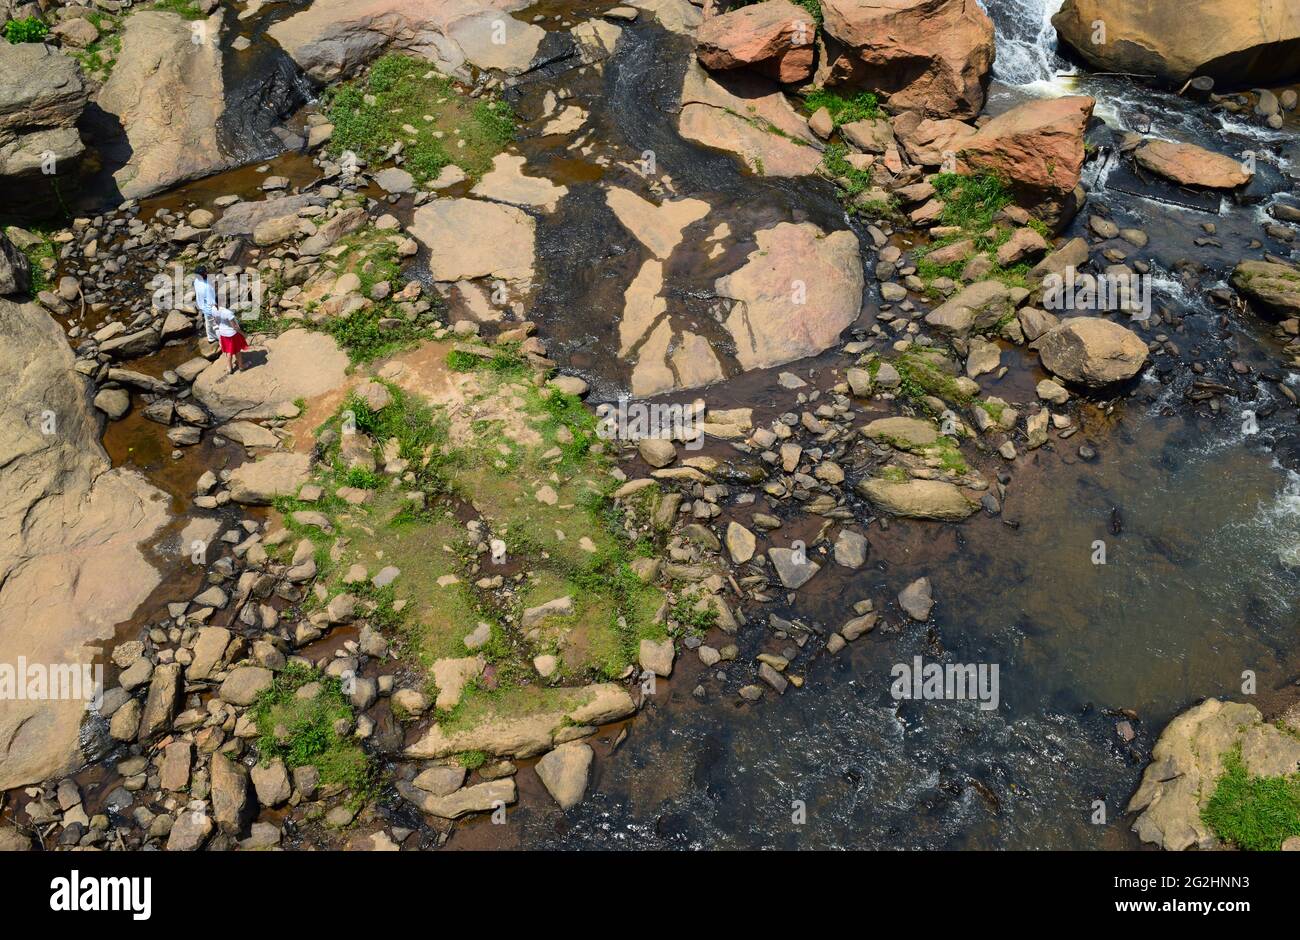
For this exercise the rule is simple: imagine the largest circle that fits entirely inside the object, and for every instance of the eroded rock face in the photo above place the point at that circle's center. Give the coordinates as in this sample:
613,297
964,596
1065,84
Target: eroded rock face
1187,762
42,94
330,39
774,37
931,56
1190,165
793,263
71,528
1239,42
732,110
168,93
1037,147
1092,351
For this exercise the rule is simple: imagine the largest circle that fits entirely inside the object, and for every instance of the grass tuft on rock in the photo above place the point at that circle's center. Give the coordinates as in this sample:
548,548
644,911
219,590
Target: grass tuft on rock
844,109
402,99
1253,813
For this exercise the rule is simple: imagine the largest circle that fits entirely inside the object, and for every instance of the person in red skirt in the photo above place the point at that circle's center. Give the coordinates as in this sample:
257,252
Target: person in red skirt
229,336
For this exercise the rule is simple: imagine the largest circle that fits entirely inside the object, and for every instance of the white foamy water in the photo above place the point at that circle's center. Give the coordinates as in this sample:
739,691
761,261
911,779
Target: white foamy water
1026,42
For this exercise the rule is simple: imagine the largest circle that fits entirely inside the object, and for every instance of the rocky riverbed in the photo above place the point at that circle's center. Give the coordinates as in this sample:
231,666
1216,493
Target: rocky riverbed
974,358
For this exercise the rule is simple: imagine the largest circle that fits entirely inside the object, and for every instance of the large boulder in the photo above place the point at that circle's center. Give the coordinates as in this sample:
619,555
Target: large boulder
71,530
42,96
168,93
1249,42
331,39
930,56
1274,289
298,364
564,771
772,320
1188,760
980,307
1037,147
1190,165
747,115
919,499
1092,351
774,37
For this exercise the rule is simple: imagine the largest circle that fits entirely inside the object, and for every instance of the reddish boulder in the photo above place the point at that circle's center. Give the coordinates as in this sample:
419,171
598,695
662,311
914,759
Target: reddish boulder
1037,147
774,37
931,56
1190,165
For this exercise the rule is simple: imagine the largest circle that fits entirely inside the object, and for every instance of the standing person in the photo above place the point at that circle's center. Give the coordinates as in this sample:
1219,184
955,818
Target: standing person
205,300
232,340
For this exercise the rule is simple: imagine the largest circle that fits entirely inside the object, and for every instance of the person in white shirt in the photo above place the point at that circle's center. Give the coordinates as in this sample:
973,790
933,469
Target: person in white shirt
229,336
205,301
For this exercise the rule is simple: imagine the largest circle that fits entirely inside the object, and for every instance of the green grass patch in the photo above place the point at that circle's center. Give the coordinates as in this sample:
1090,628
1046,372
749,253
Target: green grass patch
1253,813
850,180
400,92
27,29
301,731
861,106
186,9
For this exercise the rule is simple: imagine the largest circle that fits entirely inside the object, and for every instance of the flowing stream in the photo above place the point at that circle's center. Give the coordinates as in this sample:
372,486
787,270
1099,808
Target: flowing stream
1195,590
1199,582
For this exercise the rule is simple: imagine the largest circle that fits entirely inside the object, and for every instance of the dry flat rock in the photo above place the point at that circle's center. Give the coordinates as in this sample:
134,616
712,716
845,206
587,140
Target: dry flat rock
298,364
527,735
330,39
259,482
1190,165
732,111
1092,351
564,771
1187,762
1240,42
480,798
767,323
469,238
775,37
930,56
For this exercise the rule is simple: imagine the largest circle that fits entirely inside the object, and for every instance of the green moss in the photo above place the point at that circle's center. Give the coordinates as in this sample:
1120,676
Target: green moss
921,375
1254,813
36,255
370,113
